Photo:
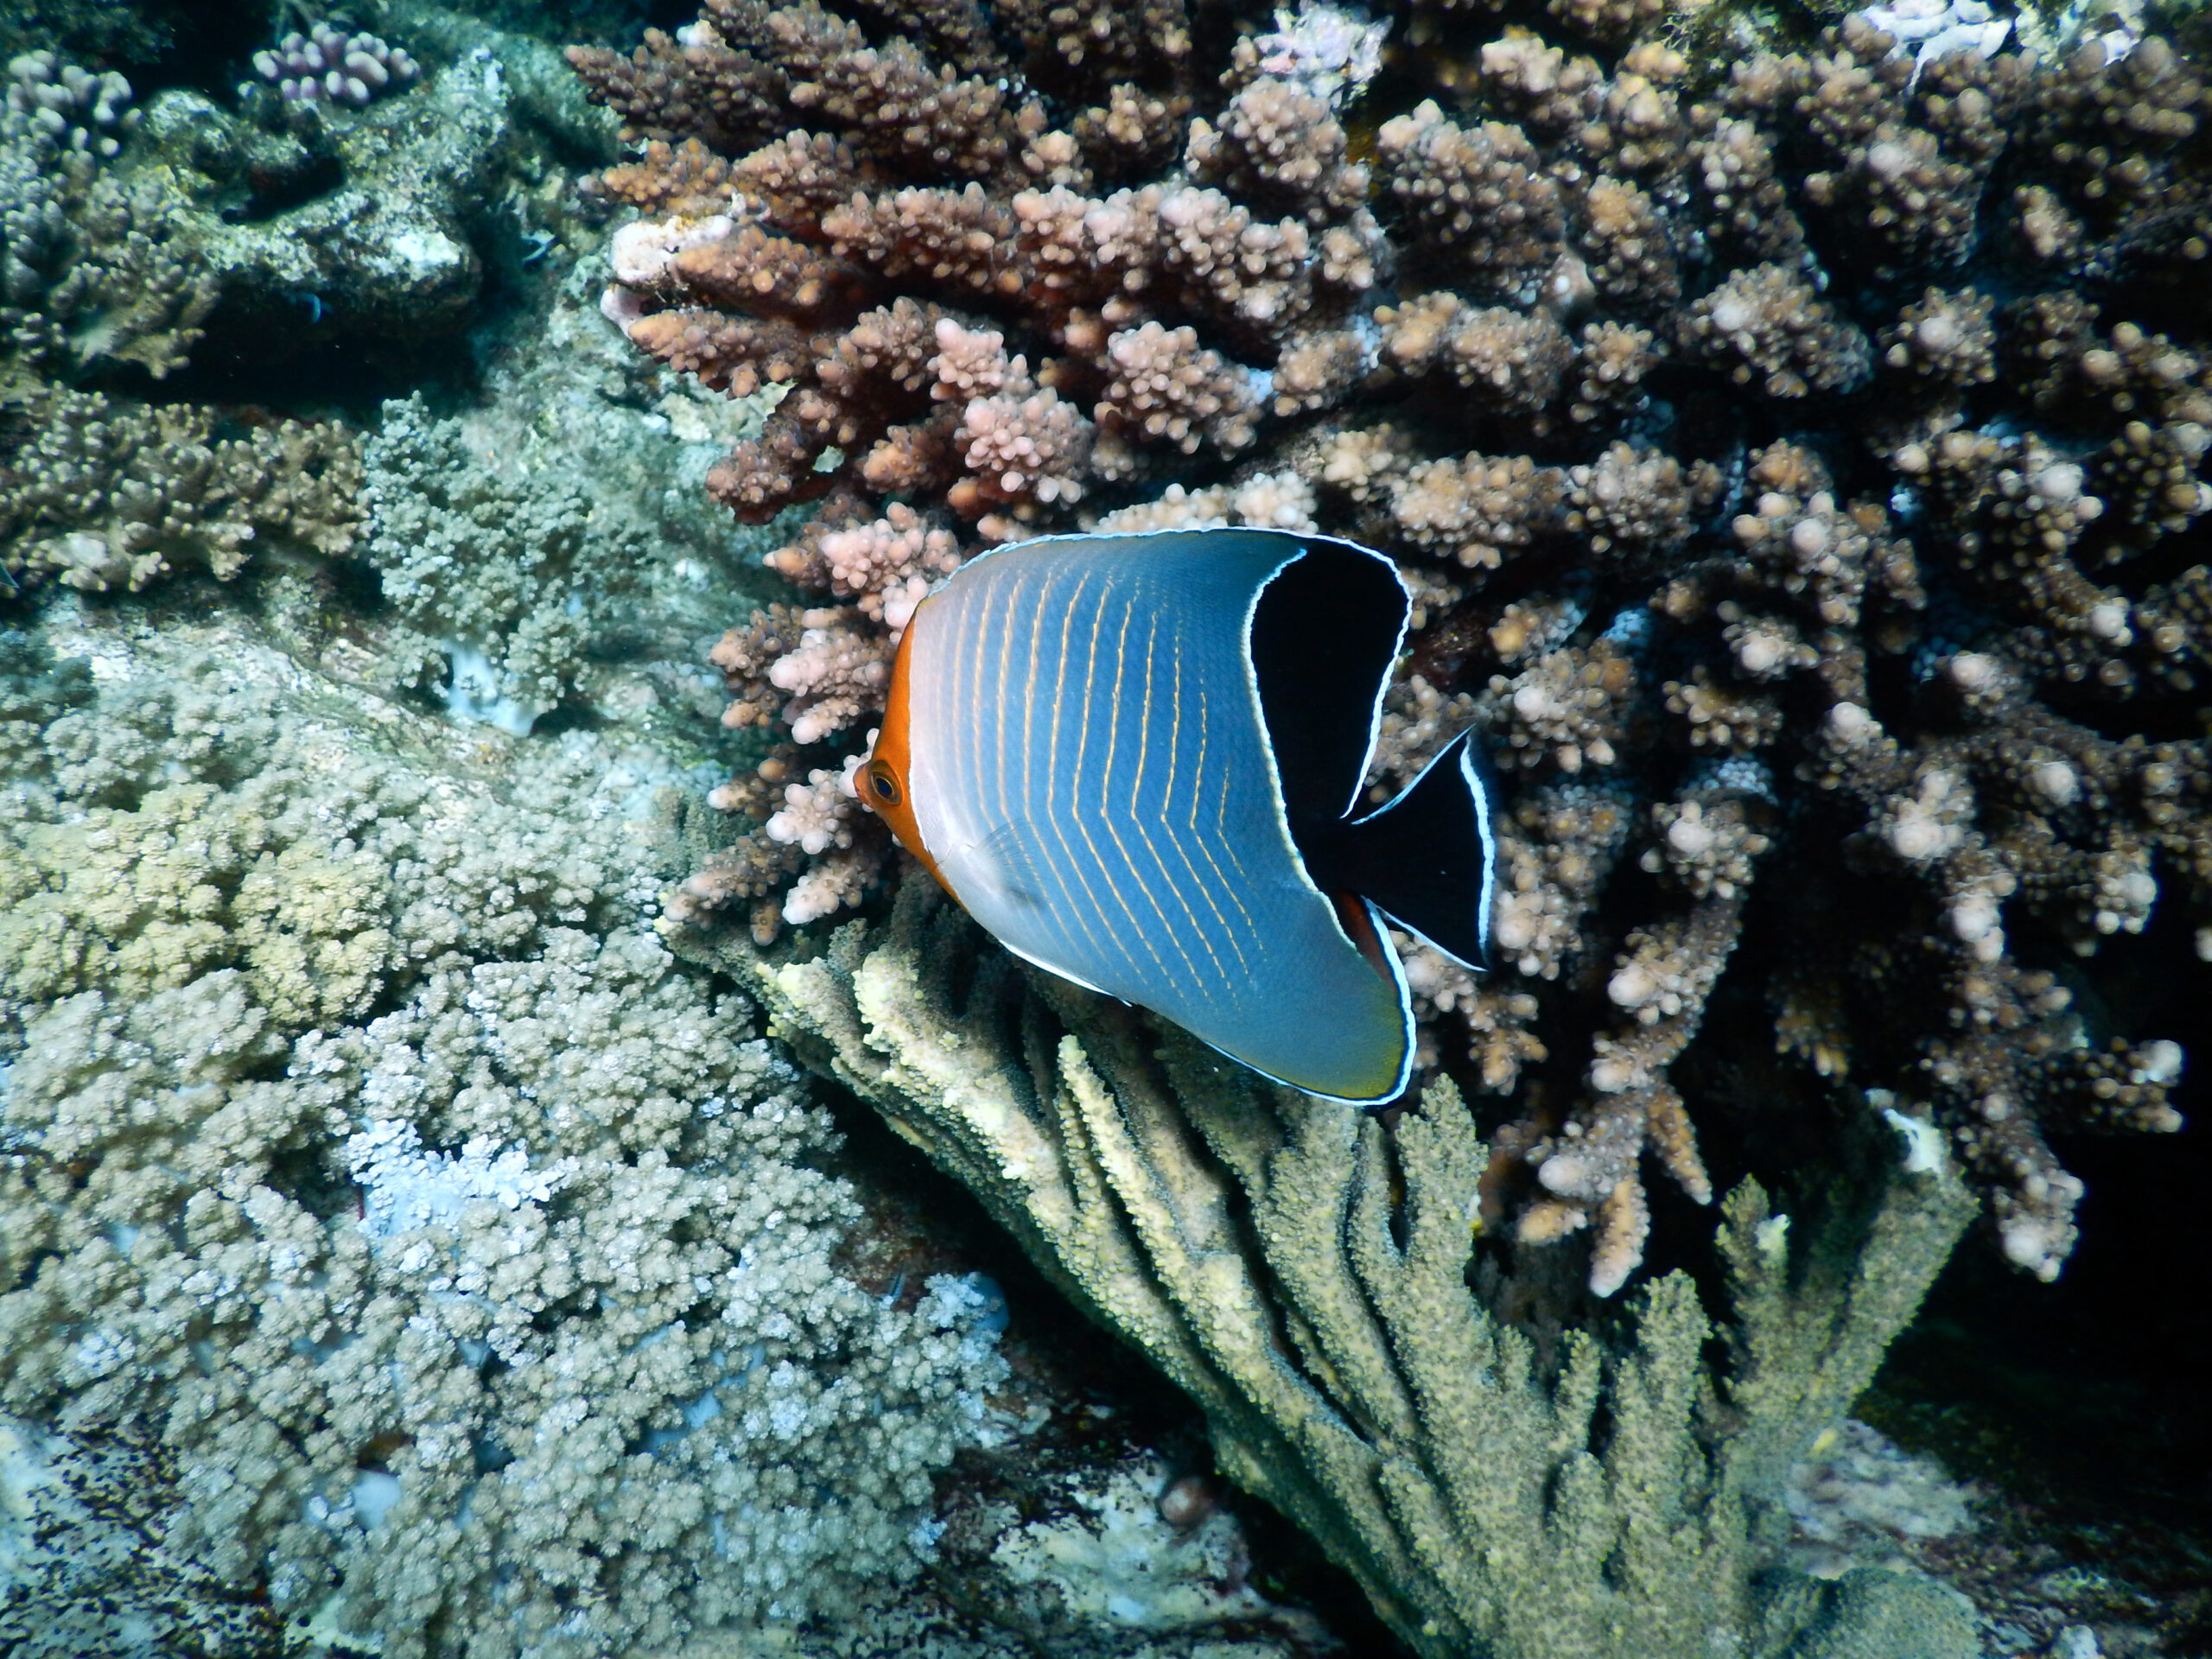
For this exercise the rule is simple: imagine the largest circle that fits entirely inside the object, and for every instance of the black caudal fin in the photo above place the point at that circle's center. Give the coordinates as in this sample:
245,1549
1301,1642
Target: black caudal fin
1428,860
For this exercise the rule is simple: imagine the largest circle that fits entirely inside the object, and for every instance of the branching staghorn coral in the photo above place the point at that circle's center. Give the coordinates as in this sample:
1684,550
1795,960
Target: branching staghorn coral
1672,620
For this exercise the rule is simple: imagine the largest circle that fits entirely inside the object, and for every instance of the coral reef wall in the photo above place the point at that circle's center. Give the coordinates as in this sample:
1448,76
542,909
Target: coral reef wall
388,1225
415,1234
400,1250
1796,446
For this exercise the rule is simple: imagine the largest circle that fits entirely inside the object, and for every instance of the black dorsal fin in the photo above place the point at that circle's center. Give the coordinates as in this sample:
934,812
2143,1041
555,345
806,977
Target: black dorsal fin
1428,860
1326,631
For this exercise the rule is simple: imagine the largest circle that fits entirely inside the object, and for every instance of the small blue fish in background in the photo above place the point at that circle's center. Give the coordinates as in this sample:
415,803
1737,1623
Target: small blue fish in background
1136,760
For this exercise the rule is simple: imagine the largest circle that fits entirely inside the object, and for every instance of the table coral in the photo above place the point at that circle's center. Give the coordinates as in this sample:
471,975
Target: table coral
471,1267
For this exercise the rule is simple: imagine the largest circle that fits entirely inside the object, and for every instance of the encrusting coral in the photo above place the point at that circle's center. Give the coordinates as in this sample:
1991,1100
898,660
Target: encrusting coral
1797,456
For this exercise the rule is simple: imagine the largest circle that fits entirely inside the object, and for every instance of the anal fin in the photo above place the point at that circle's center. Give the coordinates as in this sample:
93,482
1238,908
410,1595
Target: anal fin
1358,924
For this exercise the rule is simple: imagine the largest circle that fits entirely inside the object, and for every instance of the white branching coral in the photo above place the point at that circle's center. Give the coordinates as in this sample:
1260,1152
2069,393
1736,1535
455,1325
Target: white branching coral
834,676
1332,51
1020,453
510,1317
404,1186
818,814
886,566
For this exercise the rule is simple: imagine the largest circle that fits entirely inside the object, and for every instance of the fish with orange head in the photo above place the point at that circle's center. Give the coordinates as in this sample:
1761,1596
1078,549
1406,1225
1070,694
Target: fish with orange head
1138,761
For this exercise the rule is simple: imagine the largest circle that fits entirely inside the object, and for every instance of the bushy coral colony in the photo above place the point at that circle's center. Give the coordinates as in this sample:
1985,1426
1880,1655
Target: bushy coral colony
329,63
415,1238
468,1268
1798,457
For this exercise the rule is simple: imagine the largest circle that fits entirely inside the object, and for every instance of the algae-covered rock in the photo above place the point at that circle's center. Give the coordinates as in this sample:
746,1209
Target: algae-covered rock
379,223
1872,1614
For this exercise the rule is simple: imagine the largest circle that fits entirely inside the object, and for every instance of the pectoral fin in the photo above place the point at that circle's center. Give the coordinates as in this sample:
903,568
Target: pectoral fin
1004,860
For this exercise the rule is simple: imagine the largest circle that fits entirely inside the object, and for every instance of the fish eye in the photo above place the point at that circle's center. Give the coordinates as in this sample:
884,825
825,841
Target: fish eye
884,786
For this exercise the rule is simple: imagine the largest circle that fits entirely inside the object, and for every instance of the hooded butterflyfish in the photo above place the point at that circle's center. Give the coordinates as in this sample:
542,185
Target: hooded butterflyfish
1138,761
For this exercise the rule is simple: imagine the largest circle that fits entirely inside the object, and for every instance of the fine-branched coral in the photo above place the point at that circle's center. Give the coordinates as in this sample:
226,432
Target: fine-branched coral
107,495
497,575
470,1268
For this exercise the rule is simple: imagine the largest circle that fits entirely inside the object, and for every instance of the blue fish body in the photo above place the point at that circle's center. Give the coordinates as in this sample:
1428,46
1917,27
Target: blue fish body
1136,760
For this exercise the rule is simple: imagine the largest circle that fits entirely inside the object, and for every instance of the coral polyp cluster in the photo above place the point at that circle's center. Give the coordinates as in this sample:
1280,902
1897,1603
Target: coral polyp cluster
1799,462
328,63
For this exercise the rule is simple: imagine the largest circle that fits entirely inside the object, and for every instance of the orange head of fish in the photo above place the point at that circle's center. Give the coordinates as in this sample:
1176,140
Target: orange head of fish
883,777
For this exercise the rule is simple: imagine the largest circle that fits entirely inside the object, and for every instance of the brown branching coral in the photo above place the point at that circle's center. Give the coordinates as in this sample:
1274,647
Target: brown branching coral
1279,142
1475,197
1799,464
1168,389
1512,362
1944,338
108,498
1477,508
1767,327
971,328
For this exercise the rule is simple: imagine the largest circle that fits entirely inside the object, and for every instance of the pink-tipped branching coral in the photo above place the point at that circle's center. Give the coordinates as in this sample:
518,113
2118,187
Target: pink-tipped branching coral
1798,453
